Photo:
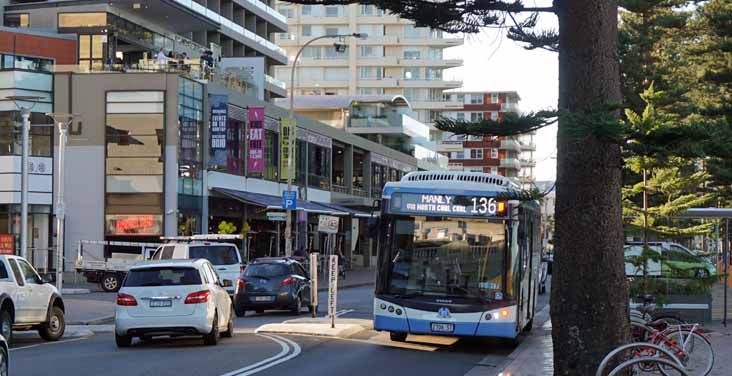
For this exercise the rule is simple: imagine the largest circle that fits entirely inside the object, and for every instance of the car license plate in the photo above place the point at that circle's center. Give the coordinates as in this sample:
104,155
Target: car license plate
262,298
159,303
442,328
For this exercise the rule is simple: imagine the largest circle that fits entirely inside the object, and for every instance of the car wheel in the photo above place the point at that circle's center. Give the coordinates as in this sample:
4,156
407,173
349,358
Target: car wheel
54,328
111,282
398,336
122,341
240,311
6,325
212,338
4,363
297,307
230,326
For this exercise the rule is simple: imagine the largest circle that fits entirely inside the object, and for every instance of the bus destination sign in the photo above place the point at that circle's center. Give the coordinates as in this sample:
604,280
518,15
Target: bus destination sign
442,204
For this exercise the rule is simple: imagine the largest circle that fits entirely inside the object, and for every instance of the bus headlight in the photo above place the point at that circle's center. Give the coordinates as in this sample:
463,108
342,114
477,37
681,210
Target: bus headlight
495,316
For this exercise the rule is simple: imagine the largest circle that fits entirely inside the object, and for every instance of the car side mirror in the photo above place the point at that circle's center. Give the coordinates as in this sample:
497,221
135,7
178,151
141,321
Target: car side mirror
47,278
226,283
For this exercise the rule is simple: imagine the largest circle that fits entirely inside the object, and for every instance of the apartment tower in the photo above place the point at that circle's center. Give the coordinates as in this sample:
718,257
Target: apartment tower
397,58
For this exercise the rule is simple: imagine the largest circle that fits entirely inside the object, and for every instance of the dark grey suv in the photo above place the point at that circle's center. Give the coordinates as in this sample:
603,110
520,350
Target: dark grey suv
273,284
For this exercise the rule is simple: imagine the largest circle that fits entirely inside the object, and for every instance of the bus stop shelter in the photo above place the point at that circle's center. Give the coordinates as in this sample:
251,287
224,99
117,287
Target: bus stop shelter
717,213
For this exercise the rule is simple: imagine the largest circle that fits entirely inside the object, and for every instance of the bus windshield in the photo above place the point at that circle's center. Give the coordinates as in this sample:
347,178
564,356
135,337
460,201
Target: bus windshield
448,257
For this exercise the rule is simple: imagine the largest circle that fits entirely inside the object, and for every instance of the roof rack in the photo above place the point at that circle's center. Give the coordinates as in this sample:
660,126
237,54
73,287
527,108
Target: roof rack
201,237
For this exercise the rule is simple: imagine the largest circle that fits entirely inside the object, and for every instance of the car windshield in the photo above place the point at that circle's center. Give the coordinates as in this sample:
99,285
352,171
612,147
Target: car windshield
266,270
217,254
163,276
457,257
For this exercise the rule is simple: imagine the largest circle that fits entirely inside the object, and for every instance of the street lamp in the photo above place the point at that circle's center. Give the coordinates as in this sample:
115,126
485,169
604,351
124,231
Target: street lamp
292,129
64,121
25,114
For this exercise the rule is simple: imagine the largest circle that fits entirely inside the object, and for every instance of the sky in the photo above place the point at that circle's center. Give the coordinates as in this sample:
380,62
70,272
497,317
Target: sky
494,62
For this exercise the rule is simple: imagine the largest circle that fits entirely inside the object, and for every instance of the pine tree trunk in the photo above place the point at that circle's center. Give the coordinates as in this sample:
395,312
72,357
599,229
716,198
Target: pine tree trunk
589,302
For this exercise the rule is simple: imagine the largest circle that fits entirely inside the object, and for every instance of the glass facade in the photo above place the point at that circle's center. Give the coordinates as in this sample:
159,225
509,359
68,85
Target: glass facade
40,141
190,156
16,20
319,167
81,20
135,141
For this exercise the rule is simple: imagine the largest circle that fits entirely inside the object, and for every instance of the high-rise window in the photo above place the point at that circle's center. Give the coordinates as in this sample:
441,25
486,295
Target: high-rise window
494,115
307,10
412,73
311,52
81,20
17,20
332,11
370,73
476,116
476,99
336,74
412,54
371,51
366,10
494,97
91,51
307,30
460,116
476,153
494,153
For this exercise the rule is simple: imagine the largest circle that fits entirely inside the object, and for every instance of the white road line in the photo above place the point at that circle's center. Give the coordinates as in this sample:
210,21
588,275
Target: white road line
287,345
46,344
343,312
296,351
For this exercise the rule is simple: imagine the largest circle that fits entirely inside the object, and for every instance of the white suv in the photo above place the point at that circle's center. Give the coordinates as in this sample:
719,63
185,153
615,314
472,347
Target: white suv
225,258
173,298
27,302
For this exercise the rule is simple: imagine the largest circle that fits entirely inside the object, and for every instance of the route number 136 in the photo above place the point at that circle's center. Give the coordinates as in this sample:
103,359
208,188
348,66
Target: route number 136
484,205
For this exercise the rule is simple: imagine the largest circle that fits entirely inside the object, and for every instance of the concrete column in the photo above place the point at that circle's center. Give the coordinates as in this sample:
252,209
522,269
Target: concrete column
368,182
348,168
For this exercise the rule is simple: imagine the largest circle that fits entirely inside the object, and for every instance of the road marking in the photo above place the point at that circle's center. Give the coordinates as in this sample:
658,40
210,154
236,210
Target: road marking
47,343
344,311
290,350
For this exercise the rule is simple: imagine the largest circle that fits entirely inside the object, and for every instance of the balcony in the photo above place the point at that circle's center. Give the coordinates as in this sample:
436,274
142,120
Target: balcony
510,145
338,62
392,124
430,83
434,104
275,86
509,107
510,163
528,147
264,11
381,83
238,32
430,40
450,146
385,61
528,163
436,63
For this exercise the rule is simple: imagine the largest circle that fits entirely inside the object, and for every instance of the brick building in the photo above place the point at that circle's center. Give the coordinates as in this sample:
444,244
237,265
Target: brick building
507,156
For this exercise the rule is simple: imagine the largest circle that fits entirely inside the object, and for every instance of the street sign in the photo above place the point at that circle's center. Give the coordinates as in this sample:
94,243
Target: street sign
328,224
289,200
277,216
332,289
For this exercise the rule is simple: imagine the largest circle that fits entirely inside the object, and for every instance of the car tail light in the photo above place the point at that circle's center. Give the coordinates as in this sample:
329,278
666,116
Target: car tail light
287,281
197,297
242,283
126,300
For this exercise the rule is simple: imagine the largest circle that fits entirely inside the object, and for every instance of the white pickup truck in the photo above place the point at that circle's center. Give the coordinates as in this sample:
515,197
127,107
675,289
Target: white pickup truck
28,302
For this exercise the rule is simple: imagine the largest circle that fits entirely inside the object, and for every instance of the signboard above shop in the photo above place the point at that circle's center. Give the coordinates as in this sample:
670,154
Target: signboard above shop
446,205
328,224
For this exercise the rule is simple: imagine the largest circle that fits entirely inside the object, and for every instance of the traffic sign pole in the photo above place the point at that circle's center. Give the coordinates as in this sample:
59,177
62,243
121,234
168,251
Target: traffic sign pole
314,283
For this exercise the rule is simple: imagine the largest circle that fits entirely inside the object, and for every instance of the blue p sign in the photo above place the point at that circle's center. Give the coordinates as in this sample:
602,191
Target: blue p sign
289,200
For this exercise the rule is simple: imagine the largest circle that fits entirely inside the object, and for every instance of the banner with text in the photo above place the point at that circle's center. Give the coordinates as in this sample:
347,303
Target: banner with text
285,126
219,116
255,139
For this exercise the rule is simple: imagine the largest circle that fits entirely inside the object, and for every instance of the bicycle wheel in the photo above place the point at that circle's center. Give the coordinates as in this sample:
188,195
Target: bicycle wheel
694,350
669,319
630,367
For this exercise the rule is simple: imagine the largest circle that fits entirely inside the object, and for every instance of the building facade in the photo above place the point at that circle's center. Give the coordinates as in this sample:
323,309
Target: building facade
507,156
397,58
26,69
125,33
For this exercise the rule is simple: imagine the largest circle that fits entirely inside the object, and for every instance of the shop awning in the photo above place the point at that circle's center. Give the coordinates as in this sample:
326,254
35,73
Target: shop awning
275,202
351,212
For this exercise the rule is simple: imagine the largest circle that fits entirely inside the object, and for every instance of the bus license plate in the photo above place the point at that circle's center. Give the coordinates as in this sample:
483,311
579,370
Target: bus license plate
161,303
442,328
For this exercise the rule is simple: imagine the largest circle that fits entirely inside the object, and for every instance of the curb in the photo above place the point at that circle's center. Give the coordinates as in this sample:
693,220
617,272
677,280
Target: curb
96,321
75,291
320,289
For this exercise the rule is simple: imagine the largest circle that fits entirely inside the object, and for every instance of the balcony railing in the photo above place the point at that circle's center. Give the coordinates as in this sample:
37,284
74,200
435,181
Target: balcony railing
511,163
269,10
273,81
200,9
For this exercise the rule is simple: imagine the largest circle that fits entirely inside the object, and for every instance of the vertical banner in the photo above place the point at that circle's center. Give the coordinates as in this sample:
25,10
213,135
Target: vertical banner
219,115
255,139
286,125
333,289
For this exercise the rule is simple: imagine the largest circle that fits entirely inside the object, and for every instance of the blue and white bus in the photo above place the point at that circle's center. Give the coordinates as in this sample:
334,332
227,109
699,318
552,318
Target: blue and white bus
457,256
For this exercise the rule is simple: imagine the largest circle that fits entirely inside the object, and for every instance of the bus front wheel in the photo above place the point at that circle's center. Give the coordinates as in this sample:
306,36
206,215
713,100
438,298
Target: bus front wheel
398,336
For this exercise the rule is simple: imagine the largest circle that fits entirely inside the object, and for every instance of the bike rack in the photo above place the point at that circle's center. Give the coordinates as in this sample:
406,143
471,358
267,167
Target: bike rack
620,349
633,361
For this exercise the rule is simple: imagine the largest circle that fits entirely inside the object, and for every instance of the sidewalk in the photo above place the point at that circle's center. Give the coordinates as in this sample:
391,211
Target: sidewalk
534,357
97,307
